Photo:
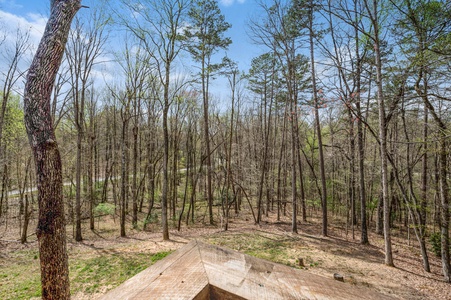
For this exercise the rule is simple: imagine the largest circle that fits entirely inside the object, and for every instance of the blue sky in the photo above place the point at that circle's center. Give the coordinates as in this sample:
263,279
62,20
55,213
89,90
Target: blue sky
238,14
23,7
31,14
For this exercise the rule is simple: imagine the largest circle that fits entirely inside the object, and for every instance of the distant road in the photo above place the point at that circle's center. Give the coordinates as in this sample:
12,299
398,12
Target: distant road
34,189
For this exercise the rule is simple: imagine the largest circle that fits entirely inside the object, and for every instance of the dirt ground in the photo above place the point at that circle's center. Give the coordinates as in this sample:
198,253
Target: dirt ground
338,253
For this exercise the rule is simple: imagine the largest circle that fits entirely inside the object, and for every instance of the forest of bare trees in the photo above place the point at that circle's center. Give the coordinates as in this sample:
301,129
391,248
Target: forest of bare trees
344,116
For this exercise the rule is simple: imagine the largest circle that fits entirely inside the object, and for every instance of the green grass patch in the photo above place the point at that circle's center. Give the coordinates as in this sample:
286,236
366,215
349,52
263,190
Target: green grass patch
20,278
271,248
109,269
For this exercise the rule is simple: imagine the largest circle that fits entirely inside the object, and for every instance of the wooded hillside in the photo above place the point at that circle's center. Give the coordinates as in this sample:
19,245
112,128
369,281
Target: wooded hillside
346,113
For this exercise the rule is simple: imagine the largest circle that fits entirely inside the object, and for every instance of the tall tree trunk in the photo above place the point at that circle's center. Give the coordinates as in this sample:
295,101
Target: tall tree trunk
360,141
352,173
361,166
424,187
164,192
423,76
280,177
26,211
51,230
294,124
317,124
209,192
301,175
414,206
114,175
384,165
174,179
108,151
152,166
443,188
135,190
187,175
232,82
78,235
124,167
26,221
374,17
4,192
266,131
91,177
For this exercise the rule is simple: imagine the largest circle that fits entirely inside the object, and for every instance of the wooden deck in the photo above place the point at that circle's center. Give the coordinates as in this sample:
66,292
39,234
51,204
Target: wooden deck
200,271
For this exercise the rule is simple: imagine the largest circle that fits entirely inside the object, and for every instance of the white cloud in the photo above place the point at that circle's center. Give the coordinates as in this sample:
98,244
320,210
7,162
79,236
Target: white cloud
12,28
227,2
231,2
38,22
32,23
10,4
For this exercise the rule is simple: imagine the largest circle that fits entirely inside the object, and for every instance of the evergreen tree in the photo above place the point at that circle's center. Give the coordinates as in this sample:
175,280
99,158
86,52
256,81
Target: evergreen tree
205,38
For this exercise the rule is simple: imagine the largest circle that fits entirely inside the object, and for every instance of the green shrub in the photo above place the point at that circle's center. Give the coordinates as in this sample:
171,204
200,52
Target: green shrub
436,243
104,209
152,219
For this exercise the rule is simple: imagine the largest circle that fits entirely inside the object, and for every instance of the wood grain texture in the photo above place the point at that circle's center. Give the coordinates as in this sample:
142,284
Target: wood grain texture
201,271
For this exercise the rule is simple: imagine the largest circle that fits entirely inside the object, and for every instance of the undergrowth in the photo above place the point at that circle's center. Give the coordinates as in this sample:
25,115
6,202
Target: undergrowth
89,275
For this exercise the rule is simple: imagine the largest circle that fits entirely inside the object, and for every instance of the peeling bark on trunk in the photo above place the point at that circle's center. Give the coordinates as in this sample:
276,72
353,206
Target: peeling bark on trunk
51,231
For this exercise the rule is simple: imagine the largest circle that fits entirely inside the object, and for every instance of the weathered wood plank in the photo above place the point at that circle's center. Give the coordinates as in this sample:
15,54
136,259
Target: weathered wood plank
200,271
132,287
183,280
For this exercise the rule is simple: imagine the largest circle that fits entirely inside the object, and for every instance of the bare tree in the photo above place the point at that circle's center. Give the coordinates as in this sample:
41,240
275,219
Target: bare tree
372,8
233,78
424,24
61,96
312,35
282,31
85,45
350,75
163,44
138,76
12,55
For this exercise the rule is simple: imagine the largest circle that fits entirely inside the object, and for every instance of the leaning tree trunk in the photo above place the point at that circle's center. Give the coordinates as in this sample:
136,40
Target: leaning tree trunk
51,231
